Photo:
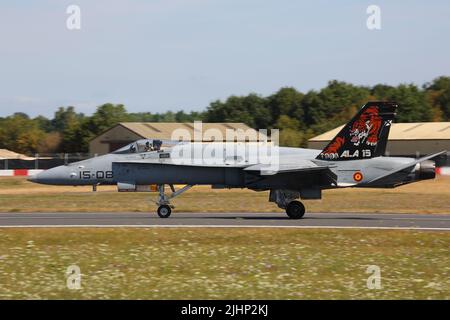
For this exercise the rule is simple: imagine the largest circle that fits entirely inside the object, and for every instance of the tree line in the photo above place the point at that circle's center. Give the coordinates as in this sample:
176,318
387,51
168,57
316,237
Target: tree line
299,116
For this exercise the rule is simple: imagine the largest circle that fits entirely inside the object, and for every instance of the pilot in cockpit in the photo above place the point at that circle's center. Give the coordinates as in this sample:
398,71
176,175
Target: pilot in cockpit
148,146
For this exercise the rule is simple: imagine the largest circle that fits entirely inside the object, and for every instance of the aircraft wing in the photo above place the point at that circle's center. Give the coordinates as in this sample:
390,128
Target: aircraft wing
287,175
170,162
286,166
261,169
290,175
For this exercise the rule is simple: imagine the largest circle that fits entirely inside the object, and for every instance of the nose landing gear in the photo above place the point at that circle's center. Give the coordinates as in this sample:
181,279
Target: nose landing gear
164,211
164,206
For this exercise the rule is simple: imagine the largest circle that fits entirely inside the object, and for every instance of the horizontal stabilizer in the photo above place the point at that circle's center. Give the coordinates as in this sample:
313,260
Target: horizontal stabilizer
380,179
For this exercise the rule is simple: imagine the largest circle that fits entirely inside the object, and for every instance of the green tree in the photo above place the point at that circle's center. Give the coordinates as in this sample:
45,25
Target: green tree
181,116
413,103
50,143
333,105
66,121
44,123
251,109
287,101
77,137
20,134
65,117
290,134
141,117
379,91
168,116
439,93
106,116
77,130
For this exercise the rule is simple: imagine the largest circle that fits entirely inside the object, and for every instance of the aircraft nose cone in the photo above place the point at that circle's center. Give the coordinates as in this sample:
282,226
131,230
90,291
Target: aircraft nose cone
57,176
37,178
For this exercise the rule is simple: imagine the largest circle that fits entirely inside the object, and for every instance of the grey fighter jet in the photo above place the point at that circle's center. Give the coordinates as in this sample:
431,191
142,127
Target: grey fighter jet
354,158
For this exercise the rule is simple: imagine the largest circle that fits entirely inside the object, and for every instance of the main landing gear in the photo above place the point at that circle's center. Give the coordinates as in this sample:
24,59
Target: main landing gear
295,210
285,199
164,206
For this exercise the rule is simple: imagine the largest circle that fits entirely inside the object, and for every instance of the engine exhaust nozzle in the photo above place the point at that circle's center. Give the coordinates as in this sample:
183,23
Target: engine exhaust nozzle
426,170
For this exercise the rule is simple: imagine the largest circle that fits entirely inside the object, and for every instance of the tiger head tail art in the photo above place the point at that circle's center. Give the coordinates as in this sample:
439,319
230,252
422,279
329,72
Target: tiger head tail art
365,136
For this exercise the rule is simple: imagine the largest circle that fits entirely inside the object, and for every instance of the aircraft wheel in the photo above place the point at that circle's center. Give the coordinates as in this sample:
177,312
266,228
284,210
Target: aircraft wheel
164,211
295,210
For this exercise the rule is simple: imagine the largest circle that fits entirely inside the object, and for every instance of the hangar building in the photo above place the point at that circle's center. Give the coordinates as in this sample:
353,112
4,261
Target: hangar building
405,139
126,132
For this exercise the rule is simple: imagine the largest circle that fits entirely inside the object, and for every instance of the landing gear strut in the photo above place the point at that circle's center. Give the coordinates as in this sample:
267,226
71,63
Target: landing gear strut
164,206
285,199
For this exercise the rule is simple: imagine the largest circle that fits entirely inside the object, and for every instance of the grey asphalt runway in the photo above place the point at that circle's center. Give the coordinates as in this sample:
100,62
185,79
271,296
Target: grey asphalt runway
179,219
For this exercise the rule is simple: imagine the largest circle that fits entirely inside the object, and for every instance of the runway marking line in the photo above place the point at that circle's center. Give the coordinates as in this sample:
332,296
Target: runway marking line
225,226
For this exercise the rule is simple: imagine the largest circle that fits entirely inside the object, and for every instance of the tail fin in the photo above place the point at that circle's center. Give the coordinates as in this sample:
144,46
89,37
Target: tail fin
365,136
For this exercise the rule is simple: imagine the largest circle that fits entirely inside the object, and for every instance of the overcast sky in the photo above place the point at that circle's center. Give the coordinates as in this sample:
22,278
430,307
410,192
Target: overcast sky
159,55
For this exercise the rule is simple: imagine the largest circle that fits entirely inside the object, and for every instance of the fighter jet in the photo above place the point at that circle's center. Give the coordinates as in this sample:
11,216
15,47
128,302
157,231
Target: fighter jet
355,158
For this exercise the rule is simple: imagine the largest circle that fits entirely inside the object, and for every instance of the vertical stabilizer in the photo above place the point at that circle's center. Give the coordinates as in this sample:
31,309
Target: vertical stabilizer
365,136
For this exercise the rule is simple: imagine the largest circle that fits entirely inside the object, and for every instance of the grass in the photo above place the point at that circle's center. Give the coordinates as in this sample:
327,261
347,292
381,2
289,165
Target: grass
223,263
19,195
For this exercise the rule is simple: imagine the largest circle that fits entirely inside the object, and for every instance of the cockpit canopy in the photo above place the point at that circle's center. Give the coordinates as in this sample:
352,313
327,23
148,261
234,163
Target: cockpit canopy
144,145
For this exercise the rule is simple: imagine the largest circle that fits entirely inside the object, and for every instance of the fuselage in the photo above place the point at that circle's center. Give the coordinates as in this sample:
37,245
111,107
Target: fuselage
99,170
224,170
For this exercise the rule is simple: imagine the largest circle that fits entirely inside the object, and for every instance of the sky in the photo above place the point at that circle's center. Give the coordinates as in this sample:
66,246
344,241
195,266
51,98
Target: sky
160,55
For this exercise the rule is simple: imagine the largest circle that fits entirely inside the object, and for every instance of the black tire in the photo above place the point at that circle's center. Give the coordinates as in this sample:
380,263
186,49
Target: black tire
164,211
295,210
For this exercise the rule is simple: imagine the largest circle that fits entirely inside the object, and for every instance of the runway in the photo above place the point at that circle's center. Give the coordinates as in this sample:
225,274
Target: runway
231,220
